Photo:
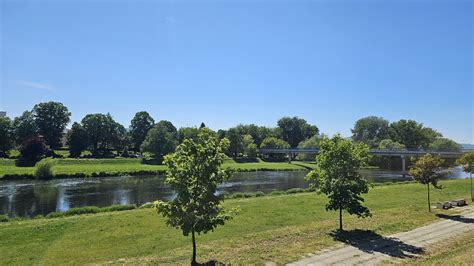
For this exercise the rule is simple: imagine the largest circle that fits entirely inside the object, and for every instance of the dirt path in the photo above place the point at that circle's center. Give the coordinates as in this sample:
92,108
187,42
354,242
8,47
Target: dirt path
375,248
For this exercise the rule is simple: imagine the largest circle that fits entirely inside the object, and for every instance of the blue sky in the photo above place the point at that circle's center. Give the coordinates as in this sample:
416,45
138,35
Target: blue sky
230,62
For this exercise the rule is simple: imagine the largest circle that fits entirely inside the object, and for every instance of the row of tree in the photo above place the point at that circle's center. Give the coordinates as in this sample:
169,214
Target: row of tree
100,133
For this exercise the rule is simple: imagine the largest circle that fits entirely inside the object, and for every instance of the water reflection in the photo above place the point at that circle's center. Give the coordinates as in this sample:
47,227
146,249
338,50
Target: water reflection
31,197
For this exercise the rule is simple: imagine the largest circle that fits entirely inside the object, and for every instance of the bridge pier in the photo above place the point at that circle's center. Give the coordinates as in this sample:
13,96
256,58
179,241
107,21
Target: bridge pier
404,166
289,158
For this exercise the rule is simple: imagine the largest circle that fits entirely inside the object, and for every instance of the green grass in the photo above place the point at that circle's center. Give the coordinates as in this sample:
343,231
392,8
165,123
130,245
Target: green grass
121,166
279,228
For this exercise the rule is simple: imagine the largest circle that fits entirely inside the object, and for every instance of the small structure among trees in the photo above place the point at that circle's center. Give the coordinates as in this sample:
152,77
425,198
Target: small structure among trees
336,175
194,172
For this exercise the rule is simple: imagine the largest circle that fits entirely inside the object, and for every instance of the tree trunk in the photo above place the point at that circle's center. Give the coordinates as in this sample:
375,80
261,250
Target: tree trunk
193,261
429,203
340,218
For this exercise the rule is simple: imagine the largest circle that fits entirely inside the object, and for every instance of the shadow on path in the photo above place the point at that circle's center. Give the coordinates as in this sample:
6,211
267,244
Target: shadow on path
370,242
457,218
209,263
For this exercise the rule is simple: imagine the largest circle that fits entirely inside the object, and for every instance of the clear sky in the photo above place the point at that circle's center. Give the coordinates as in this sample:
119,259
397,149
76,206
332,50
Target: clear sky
230,62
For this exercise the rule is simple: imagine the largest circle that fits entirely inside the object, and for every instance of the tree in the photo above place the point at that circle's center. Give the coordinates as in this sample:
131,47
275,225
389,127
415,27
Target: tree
51,119
194,172
467,163
236,146
202,125
294,130
388,144
412,134
6,136
444,144
76,140
311,143
25,127
170,127
187,133
388,162
141,123
103,132
370,130
427,170
33,149
160,141
250,149
336,175
274,143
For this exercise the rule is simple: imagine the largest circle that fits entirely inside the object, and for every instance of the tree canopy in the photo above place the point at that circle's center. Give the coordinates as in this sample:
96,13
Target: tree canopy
336,175
370,130
194,172
76,140
6,136
51,119
102,131
294,130
25,127
141,123
412,134
160,140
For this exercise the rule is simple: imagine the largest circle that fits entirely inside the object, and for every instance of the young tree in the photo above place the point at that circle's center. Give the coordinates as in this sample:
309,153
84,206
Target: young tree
6,136
51,119
194,172
467,162
141,123
25,127
161,140
427,170
76,140
336,175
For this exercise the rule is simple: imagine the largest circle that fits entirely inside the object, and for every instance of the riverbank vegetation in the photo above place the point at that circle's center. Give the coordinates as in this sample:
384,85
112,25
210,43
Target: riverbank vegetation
279,228
100,136
67,167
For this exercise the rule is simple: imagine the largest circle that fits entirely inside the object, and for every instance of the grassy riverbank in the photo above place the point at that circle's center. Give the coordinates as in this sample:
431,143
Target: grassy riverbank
271,228
127,166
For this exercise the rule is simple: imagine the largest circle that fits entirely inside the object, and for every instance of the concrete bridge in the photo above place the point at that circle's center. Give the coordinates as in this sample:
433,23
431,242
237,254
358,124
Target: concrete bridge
391,153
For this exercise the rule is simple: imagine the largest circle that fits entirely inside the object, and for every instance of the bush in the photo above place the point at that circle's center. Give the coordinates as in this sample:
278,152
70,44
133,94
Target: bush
44,169
90,210
33,149
295,190
259,194
276,192
3,218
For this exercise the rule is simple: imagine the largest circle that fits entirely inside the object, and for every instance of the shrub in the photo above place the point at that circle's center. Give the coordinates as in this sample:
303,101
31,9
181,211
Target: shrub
259,194
294,190
276,192
44,169
33,149
3,218
90,210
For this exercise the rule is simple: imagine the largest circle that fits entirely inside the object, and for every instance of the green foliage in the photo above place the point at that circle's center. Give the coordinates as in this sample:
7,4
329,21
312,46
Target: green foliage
33,149
6,136
187,133
25,127
90,210
412,134
444,144
294,130
76,140
103,132
51,119
161,140
336,175
274,143
388,144
4,218
370,130
194,172
428,170
251,151
236,146
141,123
44,168
467,162
312,142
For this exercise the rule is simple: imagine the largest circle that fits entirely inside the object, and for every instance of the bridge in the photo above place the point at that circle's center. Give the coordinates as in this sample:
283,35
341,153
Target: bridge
392,153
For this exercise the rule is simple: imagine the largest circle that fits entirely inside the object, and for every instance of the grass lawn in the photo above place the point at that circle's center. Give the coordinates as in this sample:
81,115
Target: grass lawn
127,165
272,228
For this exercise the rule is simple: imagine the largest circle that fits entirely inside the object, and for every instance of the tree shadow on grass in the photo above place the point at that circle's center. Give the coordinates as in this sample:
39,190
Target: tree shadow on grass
370,242
457,218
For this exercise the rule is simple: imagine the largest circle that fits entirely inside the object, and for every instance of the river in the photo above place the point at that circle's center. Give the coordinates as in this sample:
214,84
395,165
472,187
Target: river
27,198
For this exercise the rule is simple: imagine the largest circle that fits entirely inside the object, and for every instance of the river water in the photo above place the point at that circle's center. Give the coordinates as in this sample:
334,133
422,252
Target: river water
32,197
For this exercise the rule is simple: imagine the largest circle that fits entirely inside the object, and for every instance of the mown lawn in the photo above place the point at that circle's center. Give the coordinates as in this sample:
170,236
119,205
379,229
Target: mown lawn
127,165
271,228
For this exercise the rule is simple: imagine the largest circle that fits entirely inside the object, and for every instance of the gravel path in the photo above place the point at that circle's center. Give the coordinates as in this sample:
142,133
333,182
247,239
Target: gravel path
375,249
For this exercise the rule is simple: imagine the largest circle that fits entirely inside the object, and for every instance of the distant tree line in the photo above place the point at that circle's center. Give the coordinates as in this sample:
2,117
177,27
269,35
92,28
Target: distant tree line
44,127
